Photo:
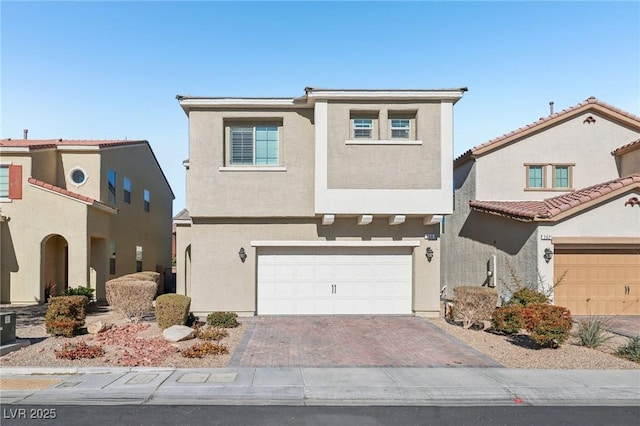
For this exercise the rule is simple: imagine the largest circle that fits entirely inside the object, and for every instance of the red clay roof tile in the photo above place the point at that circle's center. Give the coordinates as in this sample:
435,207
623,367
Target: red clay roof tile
551,207
63,191
53,143
632,146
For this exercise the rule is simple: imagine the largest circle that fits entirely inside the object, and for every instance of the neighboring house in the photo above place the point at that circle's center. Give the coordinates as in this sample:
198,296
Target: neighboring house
321,204
79,212
554,199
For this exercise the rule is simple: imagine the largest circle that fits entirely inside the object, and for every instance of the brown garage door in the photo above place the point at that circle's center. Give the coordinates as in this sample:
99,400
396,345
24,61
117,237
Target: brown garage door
598,282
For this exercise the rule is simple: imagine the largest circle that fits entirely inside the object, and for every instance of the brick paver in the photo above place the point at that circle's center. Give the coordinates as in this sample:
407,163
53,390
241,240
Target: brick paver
355,341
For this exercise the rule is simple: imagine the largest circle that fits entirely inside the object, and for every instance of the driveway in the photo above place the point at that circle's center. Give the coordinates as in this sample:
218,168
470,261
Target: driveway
352,341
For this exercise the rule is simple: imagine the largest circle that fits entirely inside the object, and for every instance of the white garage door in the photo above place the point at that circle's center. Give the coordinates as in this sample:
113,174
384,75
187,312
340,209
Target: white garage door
329,283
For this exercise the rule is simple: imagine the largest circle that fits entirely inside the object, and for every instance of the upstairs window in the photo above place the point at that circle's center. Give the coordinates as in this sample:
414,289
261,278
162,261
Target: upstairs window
562,177
362,128
147,200
111,183
127,191
10,182
535,177
4,181
400,128
254,145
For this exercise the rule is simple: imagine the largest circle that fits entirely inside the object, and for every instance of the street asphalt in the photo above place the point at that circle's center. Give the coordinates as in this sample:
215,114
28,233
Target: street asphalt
345,386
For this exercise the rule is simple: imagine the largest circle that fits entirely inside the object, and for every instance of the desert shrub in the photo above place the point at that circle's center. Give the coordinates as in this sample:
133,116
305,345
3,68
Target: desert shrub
526,296
144,276
223,319
65,315
473,304
592,331
200,350
631,350
507,319
131,298
80,291
210,333
79,350
172,309
548,325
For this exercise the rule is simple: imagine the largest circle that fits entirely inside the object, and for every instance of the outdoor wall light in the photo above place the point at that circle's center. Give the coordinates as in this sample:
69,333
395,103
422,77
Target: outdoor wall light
242,254
429,254
548,254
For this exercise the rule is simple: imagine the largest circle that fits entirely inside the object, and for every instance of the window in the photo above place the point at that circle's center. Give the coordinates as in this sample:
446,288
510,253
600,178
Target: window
400,128
254,145
112,257
362,128
127,191
111,182
78,176
147,200
561,177
138,258
10,182
535,176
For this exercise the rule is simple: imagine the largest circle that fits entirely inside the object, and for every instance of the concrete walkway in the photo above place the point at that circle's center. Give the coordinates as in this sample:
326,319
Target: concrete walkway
320,386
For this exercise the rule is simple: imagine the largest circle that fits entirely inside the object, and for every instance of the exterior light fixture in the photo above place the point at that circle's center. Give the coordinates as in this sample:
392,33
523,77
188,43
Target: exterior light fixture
242,254
429,254
548,254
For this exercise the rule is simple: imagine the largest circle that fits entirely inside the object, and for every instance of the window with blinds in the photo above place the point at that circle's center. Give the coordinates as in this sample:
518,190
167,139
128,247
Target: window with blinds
254,145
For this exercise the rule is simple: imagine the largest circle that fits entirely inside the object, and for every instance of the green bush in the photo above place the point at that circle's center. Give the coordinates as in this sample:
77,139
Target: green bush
80,291
592,331
223,319
473,304
65,315
172,309
631,350
526,296
548,325
131,298
507,319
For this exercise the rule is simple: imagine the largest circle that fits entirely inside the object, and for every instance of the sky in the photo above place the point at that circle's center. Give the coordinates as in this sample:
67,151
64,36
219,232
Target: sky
112,70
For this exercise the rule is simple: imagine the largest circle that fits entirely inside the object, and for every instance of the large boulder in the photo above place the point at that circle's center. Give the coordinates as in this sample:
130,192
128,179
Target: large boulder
178,333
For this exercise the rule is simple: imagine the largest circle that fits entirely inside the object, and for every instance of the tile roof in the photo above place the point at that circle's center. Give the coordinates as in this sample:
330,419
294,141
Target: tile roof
543,122
632,146
62,191
553,207
53,143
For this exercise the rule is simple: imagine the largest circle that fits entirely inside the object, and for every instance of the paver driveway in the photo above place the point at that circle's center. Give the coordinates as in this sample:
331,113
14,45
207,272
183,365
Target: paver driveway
352,341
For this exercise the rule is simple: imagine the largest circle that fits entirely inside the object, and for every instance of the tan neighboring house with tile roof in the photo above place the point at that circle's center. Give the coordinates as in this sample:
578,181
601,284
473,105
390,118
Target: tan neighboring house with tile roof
325,203
556,200
77,213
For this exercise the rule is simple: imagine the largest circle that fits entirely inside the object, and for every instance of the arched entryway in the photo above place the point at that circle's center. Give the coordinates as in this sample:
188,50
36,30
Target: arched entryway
55,266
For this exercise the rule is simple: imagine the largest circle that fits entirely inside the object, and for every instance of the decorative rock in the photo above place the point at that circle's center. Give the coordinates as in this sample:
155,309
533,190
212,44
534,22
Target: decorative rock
98,327
178,333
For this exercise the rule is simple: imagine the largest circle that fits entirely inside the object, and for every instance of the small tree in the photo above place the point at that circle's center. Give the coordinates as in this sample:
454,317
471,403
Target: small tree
474,304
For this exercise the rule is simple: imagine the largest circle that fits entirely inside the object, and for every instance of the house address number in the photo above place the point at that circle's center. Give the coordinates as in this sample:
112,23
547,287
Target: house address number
546,237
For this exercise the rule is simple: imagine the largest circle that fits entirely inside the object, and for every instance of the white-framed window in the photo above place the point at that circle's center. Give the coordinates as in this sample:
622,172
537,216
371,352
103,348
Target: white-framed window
400,128
78,176
126,186
111,183
535,176
362,128
254,145
4,181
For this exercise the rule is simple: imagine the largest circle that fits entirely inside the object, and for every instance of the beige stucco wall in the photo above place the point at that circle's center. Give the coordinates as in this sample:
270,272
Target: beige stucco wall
222,282
44,165
248,193
362,166
501,175
89,161
630,163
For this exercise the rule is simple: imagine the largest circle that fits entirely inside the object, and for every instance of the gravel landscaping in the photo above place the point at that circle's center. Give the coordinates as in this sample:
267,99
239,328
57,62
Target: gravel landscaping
142,344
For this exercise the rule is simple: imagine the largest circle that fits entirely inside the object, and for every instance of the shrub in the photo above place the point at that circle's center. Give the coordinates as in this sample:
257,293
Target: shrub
591,331
548,325
223,319
79,350
526,296
507,319
199,350
131,298
210,333
80,291
631,350
144,276
172,309
473,304
65,315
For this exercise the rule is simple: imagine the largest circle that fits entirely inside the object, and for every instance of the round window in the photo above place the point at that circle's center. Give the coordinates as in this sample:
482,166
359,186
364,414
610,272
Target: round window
78,176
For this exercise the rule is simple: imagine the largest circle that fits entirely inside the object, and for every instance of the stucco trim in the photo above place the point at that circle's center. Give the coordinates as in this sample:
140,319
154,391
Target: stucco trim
382,142
341,243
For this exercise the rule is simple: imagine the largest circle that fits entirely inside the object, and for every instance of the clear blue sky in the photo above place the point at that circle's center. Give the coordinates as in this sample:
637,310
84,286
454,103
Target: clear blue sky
111,70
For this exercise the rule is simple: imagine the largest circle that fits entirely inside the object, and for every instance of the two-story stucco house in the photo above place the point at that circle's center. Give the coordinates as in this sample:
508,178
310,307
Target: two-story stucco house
326,203
77,213
555,199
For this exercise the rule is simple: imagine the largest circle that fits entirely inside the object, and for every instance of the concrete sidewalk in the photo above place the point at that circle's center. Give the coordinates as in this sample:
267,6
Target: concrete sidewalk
320,386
